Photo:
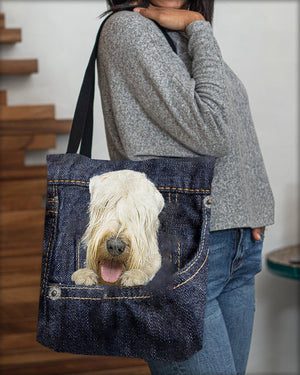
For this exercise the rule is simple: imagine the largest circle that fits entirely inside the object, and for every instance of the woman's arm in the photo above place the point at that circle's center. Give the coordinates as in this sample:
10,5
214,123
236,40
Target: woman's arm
170,18
190,109
178,19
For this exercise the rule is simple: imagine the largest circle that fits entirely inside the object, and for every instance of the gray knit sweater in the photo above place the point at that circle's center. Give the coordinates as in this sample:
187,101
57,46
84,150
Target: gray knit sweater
160,104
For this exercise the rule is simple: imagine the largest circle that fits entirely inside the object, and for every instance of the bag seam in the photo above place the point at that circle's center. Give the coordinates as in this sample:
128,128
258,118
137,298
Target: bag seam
50,241
159,187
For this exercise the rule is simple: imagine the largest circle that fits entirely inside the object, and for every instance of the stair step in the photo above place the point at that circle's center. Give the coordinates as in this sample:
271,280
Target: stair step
20,278
27,142
26,311
76,365
50,363
36,355
28,172
35,126
22,194
20,251
28,263
10,36
22,229
17,341
19,203
27,112
24,294
27,66
3,98
2,21
27,325
40,355
11,160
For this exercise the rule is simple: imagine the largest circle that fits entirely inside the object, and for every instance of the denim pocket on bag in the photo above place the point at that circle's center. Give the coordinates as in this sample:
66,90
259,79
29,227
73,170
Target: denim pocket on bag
155,309
162,319
181,237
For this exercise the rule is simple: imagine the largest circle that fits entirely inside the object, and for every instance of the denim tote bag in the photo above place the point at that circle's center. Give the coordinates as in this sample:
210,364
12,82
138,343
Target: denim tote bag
161,320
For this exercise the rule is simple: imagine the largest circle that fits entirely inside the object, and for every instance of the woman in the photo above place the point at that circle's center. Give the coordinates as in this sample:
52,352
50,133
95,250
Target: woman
160,104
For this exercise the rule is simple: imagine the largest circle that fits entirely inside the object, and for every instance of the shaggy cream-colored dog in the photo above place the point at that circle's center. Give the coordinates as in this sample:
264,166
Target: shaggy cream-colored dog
121,237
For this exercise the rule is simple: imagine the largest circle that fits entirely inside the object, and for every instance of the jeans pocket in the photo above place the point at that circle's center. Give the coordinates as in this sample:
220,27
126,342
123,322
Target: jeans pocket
253,259
262,238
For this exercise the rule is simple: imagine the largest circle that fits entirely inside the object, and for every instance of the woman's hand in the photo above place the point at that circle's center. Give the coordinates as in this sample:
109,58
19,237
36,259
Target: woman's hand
170,18
256,233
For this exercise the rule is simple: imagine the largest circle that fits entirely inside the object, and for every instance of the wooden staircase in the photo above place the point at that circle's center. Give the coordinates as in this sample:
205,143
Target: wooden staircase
22,190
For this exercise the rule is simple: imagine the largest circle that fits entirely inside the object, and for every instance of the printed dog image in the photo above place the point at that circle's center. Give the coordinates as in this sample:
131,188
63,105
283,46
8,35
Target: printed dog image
121,238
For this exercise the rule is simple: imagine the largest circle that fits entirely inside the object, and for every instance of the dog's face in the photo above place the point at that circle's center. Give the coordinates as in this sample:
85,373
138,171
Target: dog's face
121,235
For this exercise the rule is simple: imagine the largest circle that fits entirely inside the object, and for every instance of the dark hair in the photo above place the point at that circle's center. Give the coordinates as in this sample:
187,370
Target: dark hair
205,7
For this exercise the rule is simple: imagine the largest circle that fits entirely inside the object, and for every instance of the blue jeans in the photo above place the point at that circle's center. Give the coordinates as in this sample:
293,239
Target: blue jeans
234,260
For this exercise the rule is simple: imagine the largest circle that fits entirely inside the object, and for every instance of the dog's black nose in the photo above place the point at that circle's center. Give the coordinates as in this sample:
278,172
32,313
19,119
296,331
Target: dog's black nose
115,246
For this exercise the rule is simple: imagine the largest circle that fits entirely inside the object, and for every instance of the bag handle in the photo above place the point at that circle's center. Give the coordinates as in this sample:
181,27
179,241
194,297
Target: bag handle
82,125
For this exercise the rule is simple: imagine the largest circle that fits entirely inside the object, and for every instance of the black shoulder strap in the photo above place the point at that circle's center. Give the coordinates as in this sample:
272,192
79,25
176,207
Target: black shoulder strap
82,125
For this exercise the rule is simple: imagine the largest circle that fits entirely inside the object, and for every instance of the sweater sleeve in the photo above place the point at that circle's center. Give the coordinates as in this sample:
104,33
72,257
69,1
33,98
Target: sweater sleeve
191,109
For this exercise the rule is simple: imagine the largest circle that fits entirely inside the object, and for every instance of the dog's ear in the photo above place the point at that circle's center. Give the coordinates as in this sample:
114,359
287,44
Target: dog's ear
95,181
160,202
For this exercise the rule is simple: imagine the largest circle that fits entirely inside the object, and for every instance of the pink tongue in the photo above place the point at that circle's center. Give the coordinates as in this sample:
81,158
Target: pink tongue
110,270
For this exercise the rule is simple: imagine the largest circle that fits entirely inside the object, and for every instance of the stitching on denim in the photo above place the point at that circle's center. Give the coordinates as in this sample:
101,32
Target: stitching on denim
96,298
169,195
137,297
160,187
179,253
52,201
52,212
81,298
235,267
202,246
73,181
53,198
238,244
80,287
48,249
190,278
102,298
176,198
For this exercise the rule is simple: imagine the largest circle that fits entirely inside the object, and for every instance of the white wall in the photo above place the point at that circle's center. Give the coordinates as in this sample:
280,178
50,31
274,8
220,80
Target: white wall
259,40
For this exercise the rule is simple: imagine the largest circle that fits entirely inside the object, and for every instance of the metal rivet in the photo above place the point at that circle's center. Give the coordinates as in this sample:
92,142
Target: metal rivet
54,293
207,201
